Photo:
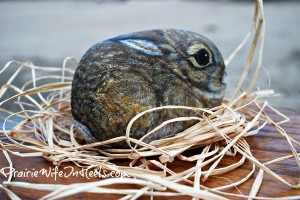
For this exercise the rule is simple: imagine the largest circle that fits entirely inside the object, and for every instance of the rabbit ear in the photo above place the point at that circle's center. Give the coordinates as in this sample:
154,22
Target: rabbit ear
143,46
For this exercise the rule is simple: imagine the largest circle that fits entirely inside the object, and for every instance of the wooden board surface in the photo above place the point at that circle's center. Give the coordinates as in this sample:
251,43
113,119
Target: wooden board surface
267,145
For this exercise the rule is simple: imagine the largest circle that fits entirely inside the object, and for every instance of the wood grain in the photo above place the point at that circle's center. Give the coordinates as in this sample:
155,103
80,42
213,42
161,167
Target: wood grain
265,146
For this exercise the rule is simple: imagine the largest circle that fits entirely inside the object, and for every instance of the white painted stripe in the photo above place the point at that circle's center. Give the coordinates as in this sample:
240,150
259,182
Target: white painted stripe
143,46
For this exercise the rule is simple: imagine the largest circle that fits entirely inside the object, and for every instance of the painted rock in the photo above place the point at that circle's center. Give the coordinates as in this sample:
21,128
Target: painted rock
120,77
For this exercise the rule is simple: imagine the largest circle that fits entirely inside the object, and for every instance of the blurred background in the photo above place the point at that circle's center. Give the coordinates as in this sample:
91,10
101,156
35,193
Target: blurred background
47,31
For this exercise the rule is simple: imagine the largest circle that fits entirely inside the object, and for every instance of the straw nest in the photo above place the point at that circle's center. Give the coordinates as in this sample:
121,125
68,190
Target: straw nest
45,128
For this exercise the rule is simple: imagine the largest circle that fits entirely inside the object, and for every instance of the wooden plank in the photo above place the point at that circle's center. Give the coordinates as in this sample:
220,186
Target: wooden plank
267,145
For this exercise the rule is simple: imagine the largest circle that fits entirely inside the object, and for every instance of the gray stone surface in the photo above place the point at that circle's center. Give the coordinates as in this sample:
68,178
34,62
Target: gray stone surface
45,32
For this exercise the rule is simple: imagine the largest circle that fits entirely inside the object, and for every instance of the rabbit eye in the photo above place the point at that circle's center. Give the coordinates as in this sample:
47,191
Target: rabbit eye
202,57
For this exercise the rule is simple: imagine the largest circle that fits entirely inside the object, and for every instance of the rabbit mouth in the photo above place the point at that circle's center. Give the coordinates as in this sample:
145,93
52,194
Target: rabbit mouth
220,86
216,95
219,95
